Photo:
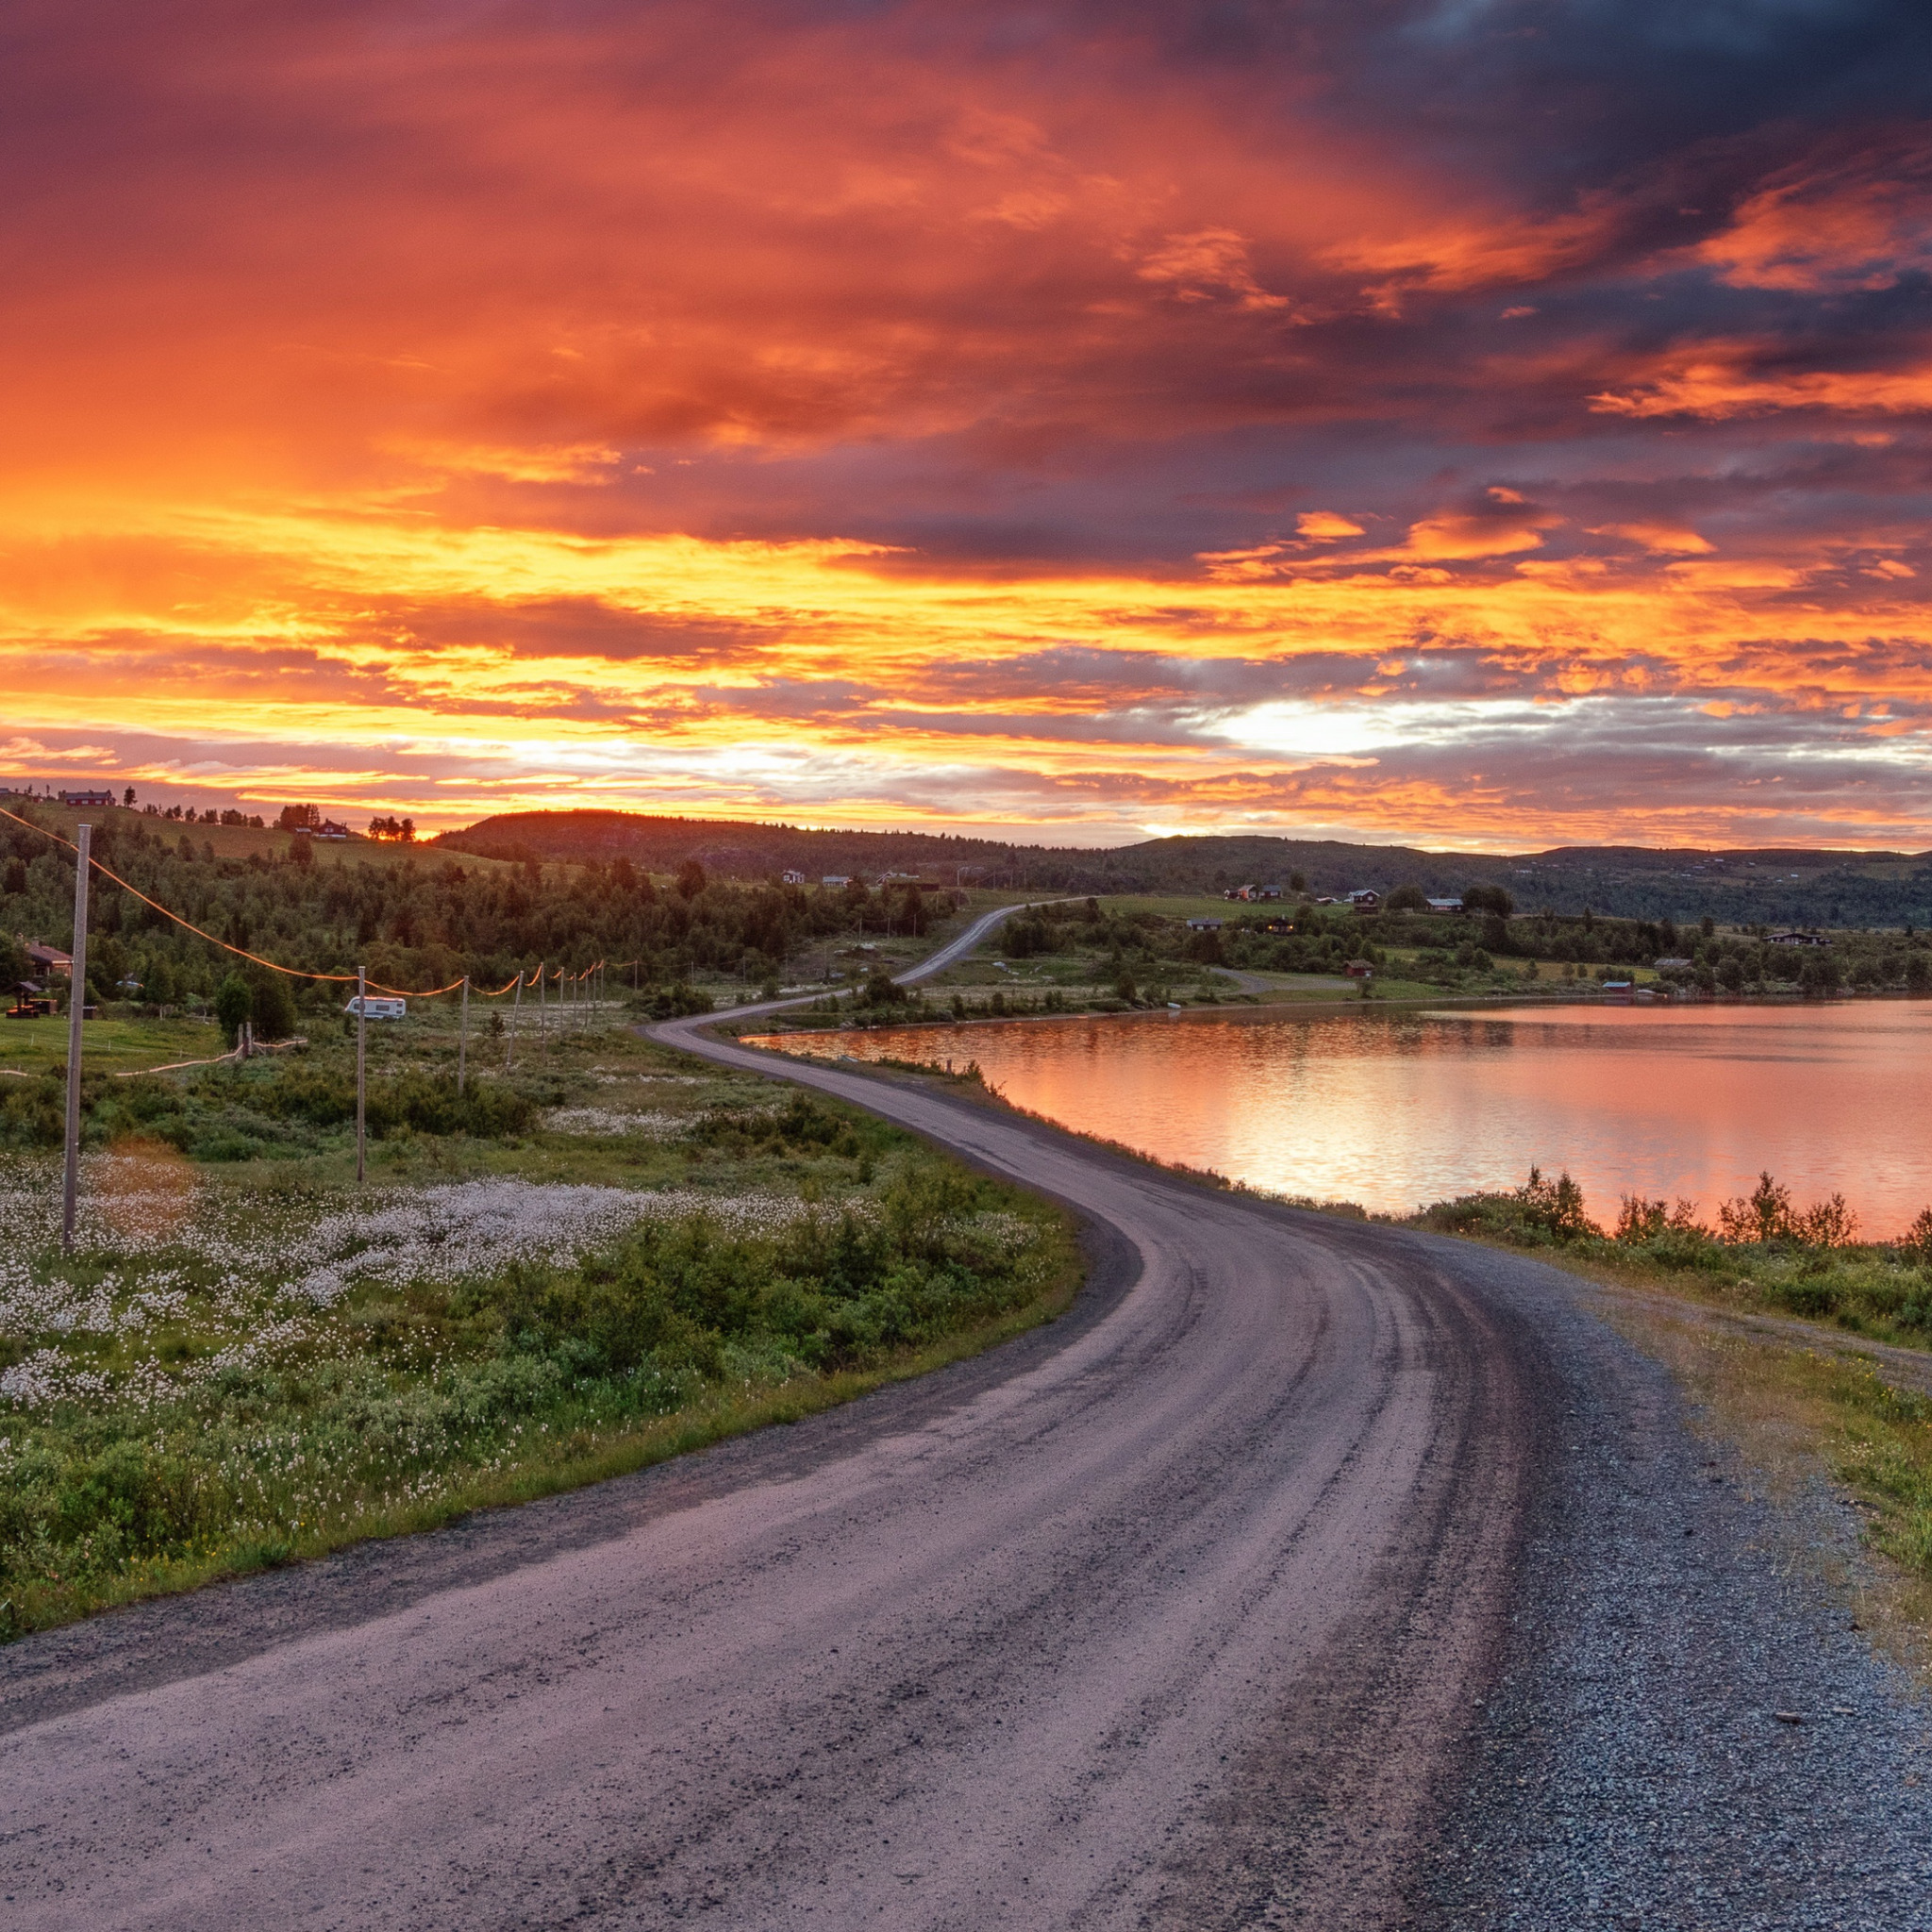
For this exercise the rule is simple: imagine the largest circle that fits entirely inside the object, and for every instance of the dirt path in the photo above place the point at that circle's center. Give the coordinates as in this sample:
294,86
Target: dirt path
1188,1612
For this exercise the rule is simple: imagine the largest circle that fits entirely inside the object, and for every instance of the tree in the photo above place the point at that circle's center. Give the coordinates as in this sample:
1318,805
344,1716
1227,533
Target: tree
1762,1215
127,797
1492,899
301,850
1919,1236
13,962
691,880
234,1003
273,1007
1297,882
1408,897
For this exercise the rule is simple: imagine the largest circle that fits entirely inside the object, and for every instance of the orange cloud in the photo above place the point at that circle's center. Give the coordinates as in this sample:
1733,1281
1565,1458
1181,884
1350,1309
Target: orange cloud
1856,221
1721,379
868,414
1326,526
1666,539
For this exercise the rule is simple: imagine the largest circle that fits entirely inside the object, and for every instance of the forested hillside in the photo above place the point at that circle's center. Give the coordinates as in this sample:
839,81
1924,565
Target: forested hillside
414,919
1735,887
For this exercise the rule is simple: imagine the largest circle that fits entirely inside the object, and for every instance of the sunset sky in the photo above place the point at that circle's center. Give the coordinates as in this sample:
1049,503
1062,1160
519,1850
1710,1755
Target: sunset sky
1480,424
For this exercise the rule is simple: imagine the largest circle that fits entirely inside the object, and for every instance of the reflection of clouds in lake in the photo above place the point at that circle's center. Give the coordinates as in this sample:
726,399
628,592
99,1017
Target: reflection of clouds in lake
1397,1109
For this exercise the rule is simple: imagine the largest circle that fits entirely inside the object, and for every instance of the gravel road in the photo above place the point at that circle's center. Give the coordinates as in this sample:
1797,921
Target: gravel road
1308,1573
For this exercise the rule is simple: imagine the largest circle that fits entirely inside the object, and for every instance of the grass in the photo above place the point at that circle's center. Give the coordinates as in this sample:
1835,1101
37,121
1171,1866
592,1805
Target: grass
248,1360
1798,1410
240,842
37,1047
1797,1414
1880,1290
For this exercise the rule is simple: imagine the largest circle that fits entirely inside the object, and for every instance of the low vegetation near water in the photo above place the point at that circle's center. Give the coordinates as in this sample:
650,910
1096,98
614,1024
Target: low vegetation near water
1766,1254
249,1359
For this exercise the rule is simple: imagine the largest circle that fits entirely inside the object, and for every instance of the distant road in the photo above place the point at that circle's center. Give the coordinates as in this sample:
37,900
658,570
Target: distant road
1309,1574
956,949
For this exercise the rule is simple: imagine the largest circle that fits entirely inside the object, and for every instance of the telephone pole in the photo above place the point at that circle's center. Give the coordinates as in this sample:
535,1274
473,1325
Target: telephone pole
76,1001
361,1058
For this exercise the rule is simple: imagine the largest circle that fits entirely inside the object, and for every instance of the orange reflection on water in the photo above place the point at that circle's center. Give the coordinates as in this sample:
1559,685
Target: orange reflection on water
1396,1110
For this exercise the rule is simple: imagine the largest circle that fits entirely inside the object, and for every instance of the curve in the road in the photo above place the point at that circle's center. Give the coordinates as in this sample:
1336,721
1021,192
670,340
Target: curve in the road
1251,1597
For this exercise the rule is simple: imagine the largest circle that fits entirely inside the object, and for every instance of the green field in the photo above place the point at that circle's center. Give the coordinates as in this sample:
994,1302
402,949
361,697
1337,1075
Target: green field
618,1254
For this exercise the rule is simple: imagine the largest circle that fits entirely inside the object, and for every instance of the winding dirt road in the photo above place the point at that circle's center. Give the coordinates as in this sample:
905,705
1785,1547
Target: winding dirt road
1181,1612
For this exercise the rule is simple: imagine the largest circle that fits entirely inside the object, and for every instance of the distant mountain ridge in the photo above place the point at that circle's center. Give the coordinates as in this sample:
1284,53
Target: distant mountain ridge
1772,884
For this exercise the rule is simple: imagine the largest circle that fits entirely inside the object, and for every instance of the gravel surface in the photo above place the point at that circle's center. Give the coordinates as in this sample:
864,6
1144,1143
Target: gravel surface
1636,1764
1312,1573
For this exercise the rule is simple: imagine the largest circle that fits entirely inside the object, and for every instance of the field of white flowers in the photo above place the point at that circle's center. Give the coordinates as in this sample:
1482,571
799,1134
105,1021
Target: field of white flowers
158,1245
246,1362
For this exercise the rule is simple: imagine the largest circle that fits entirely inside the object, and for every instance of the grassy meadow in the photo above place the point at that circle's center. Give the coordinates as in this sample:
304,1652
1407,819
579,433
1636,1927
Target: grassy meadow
1794,1407
598,1255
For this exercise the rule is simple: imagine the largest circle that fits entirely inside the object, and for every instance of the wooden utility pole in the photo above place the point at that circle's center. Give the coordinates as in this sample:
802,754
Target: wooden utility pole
509,1046
361,1058
463,1038
76,1001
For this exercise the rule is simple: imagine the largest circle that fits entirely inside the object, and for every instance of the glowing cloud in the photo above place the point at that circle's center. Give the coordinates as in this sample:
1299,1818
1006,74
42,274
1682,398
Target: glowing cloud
926,415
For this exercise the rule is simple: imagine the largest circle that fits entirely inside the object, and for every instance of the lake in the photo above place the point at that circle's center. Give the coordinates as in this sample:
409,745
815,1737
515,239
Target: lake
1396,1109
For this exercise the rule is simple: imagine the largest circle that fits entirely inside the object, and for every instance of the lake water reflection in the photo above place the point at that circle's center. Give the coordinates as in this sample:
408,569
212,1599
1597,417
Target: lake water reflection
1394,1109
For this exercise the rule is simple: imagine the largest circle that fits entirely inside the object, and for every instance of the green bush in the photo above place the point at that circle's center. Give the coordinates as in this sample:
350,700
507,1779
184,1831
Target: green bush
33,1112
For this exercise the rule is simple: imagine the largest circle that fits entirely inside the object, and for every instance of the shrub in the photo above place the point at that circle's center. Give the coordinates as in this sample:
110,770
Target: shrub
676,1003
1762,1215
1919,1236
1557,1206
1766,1215
1640,1221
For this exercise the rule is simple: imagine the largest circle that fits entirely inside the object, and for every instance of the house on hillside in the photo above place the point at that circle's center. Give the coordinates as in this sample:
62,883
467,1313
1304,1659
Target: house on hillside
1360,968
87,798
1445,904
330,829
1367,900
1205,924
48,960
792,877
836,881
1797,938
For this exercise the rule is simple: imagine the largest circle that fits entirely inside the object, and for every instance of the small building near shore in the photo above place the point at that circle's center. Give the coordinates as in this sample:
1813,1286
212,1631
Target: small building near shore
1360,968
